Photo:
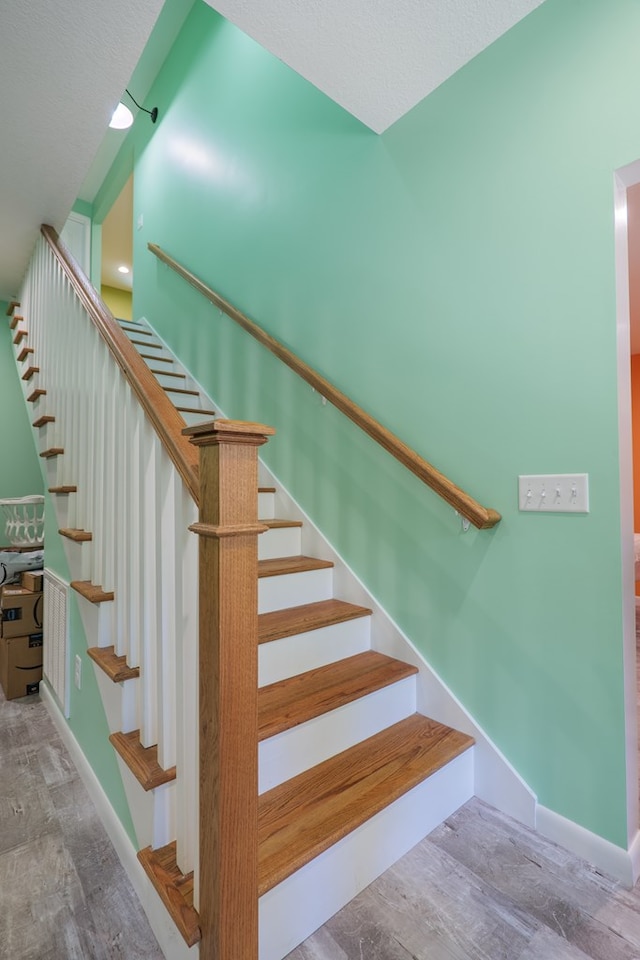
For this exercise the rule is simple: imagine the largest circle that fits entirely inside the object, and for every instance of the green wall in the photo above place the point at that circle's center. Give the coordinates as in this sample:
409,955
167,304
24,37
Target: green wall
454,276
19,469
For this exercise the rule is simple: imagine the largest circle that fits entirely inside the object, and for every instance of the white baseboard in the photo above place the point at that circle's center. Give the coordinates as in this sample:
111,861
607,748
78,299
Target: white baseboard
623,865
165,931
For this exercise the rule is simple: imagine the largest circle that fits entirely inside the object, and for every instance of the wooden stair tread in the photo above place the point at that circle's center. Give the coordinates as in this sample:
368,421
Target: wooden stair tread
91,591
182,391
65,488
283,565
142,761
20,335
301,818
297,699
116,668
266,489
145,343
29,372
38,392
42,421
52,452
153,356
289,621
132,328
281,524
209,413
24,353
174,888
168,373
78,536
15,319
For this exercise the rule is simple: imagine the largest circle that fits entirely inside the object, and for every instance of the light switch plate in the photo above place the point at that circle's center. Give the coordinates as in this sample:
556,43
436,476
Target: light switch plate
554,493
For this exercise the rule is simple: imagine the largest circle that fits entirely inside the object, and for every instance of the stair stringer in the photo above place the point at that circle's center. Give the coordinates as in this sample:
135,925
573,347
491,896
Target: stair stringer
495,779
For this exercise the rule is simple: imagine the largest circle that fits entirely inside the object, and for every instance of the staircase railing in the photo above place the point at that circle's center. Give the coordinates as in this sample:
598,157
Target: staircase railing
124,479
123,452
480,516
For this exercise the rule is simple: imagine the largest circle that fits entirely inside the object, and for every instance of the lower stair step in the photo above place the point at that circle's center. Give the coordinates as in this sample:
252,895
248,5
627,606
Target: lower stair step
91,591
174,888
78,536
300,819
142,761
116,668
291,702
308,616
285,565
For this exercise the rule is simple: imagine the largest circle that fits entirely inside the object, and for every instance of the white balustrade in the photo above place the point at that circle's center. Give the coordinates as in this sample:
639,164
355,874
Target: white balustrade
138,510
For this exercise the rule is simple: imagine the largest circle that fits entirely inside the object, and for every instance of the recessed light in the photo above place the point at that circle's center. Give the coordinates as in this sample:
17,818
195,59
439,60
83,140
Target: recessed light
123,269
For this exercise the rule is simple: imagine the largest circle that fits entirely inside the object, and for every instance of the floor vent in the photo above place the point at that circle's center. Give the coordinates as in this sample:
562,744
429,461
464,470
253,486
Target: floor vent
56,638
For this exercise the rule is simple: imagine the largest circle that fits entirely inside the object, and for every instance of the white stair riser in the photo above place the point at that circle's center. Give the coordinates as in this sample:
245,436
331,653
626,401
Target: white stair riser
266,506
289,656
152,811
292,589
293,751
279,542
303,902
78,558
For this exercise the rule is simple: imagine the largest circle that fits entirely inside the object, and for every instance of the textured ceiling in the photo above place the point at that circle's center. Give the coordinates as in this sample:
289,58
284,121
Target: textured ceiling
376,58
63,68
65,64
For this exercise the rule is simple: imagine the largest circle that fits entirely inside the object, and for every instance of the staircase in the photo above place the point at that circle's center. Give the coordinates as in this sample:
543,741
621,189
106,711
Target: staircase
351,776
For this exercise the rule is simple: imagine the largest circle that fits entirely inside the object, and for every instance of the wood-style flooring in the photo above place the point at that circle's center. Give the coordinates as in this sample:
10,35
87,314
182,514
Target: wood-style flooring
480,887
64,894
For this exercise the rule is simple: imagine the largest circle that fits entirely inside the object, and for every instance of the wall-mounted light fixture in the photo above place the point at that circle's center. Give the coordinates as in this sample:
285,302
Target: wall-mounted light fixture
123,118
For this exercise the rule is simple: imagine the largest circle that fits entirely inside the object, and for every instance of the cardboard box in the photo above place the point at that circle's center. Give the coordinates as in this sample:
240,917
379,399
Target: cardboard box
20,665
32,580
20,612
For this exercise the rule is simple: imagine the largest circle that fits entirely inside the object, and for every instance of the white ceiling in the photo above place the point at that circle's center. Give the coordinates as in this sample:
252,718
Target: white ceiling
376,58
65,64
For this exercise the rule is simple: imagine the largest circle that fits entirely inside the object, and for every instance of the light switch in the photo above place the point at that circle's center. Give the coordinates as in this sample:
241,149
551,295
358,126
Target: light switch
554,493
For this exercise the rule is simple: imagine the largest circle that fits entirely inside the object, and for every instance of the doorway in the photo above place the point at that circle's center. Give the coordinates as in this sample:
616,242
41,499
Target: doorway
116,269
627,245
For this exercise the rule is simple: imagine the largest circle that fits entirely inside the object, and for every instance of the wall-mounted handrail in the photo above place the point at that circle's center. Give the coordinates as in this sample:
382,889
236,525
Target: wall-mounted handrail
481,517
164,417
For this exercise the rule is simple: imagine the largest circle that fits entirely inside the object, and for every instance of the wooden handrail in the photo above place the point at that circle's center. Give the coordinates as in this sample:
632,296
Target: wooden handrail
164,417
481,517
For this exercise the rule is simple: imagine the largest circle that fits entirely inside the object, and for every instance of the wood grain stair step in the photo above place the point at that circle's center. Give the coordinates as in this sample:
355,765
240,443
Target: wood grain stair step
142,761
208,413
308,616
284,565
20,335
297,699
24,353
65,488
168,373
281,524
116,668
91,591
11,306
145,343
132,328
153,356
303,817
35,394
52,452
15,320
78,536
182,391
43,421
29,372
266,489
174,888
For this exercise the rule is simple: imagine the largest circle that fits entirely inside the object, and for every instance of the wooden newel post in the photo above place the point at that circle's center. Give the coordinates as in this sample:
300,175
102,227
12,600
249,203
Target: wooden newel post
228,528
